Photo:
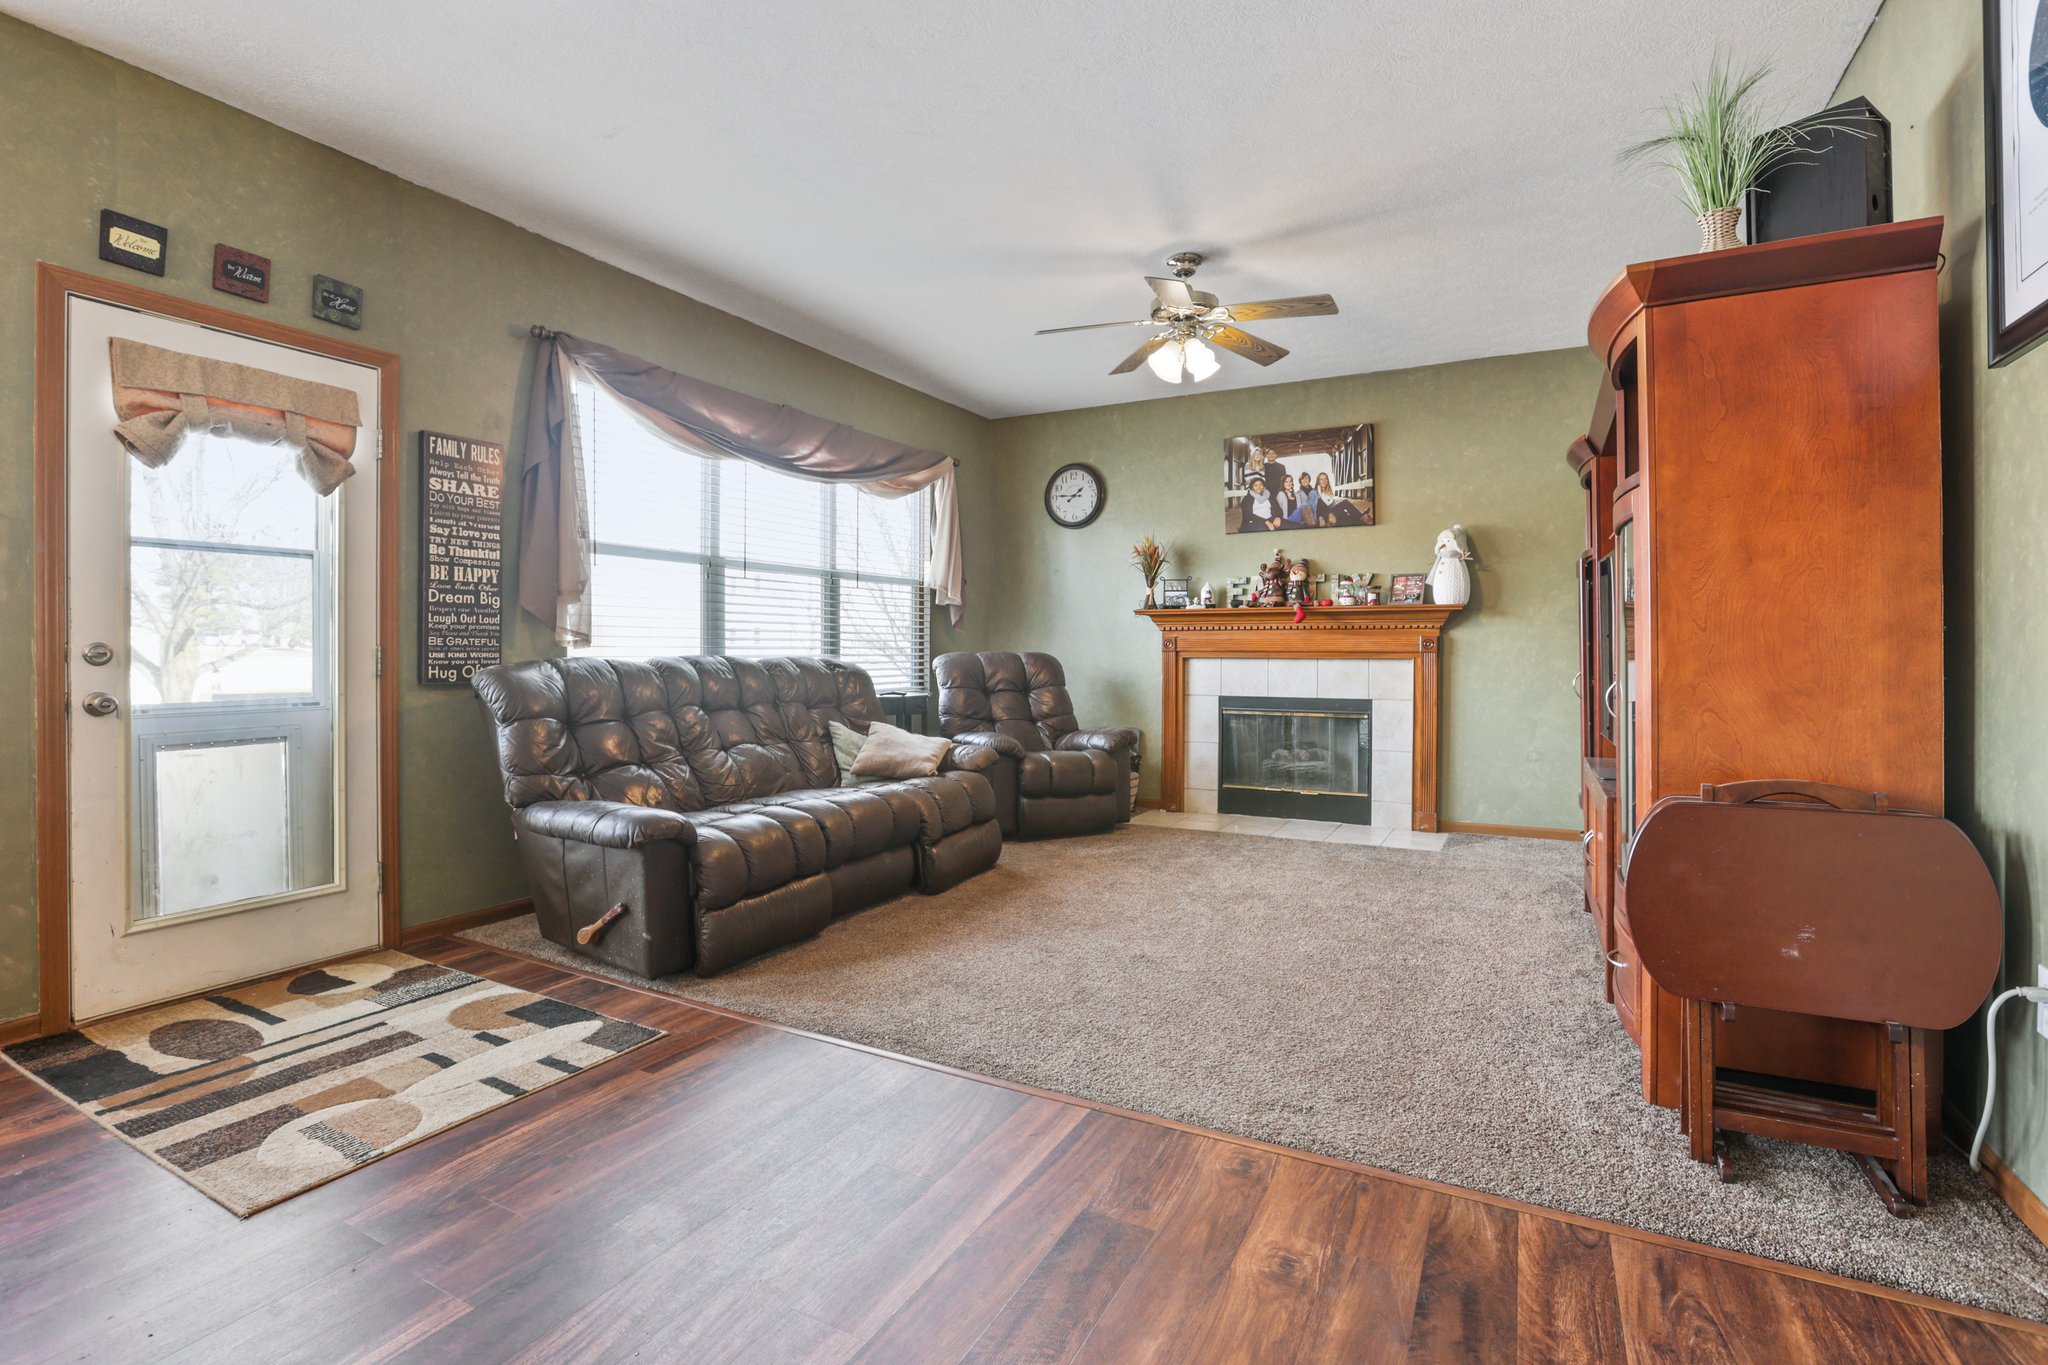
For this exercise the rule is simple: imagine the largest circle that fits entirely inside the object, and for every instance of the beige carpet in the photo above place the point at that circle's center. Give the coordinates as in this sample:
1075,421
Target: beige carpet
262,1092
1437,1014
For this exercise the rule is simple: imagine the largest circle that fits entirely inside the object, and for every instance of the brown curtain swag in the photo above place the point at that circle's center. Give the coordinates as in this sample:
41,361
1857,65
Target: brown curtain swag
162,397
554,562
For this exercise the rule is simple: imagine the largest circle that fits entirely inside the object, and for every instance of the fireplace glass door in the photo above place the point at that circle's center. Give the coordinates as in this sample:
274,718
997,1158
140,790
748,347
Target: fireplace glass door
1300,758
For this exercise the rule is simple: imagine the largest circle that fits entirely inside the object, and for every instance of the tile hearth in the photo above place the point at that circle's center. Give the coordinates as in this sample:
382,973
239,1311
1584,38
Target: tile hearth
1311,831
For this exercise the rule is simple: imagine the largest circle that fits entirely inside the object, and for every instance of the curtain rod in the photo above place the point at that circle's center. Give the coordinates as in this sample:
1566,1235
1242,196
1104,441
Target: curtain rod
549,333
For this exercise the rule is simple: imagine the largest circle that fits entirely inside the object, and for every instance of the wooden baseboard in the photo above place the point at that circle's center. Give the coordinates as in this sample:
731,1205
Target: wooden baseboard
468,919
1506,831
2024,1203
20,1030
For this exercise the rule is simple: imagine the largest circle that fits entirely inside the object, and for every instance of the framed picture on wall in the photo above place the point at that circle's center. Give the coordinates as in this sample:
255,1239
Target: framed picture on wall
1298,480
2016,173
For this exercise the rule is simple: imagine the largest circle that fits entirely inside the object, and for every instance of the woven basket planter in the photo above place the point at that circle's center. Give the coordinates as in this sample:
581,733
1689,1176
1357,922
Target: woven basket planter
1717,229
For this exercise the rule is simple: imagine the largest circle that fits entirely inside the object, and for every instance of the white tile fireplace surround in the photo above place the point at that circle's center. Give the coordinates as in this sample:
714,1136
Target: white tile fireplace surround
1389,684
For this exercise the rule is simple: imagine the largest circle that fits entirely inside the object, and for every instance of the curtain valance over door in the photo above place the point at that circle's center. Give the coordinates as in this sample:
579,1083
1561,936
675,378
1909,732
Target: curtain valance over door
163,397
555,552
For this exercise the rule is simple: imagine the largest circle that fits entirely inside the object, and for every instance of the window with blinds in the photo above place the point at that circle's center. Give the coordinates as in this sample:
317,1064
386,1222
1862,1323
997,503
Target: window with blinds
693,555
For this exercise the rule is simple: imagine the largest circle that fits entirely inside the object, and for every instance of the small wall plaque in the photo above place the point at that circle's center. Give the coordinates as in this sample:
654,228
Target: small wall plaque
133,243
239,272
338,303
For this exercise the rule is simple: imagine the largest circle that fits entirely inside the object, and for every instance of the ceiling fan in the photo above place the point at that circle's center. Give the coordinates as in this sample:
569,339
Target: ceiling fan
1190,320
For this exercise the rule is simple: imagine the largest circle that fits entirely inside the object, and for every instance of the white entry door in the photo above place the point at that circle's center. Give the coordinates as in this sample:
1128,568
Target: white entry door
223,694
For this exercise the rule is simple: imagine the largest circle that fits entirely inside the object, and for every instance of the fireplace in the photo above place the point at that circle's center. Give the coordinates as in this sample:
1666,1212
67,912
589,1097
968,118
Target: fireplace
1298,758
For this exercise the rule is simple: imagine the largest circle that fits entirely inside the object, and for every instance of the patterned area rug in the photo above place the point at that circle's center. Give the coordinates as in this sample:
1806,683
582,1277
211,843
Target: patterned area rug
261,1093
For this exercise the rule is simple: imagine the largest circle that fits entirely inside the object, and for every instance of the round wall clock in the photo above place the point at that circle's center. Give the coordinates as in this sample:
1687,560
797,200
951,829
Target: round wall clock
1074,495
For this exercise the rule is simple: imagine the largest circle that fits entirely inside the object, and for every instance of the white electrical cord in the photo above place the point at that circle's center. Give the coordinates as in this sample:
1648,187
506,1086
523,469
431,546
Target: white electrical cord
2037,994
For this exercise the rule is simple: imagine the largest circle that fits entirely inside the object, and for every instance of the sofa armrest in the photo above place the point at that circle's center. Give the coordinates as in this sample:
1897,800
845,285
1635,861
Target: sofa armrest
989,739
970,758
1110,739
608,824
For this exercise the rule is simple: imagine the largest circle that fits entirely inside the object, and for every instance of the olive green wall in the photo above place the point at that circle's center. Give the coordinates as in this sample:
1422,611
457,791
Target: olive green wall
448,288
1922,64
1479,443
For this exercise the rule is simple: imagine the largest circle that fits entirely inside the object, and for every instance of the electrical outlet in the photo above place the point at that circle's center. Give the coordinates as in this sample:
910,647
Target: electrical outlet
2041,1011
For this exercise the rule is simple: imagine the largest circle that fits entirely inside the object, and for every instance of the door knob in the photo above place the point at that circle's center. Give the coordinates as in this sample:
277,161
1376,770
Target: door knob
97,654
99,704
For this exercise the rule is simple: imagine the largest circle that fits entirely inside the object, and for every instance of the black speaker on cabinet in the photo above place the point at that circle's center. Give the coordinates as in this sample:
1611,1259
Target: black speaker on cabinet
1843,178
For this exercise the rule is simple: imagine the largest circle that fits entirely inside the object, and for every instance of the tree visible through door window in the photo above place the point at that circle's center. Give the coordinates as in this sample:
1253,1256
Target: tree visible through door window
223,545
233,607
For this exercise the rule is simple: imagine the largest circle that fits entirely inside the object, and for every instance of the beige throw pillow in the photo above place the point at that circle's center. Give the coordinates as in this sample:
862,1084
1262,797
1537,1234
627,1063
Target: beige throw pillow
891,753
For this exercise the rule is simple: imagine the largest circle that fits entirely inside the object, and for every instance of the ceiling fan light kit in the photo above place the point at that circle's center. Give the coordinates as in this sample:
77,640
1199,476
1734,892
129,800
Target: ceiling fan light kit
1183,357
1194,322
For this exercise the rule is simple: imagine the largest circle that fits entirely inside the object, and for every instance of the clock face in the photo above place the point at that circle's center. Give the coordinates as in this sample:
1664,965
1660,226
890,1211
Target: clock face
1074,495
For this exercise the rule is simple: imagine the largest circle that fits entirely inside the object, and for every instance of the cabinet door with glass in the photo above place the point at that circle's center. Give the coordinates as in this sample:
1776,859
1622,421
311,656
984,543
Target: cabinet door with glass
1620,696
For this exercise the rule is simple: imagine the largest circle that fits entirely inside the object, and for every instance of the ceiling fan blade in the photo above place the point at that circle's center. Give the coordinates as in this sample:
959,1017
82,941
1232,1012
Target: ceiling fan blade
1142,354
1172,293
1245,344
1305,306
1091,326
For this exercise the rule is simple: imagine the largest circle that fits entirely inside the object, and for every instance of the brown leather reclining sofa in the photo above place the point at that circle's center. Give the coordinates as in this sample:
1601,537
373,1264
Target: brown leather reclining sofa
1055,777
702,793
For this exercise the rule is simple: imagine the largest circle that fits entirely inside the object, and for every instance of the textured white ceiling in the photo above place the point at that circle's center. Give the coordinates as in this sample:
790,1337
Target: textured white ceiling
917,187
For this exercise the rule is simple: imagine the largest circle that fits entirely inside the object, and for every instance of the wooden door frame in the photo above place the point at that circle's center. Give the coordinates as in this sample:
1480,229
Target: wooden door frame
51,649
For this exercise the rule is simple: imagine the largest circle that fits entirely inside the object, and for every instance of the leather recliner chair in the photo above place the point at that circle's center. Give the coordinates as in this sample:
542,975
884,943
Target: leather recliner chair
1055,777
702,794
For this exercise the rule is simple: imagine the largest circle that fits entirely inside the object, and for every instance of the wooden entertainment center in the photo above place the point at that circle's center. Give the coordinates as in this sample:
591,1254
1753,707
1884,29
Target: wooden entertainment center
1761,588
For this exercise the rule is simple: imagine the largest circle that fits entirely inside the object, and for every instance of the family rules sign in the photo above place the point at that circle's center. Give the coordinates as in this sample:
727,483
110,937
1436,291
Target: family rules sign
462,557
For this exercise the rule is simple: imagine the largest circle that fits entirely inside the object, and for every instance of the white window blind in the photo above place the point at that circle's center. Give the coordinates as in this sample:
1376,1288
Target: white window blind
693,555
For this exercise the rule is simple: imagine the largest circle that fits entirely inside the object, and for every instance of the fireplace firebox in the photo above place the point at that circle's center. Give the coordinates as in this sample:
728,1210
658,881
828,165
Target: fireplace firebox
1298,758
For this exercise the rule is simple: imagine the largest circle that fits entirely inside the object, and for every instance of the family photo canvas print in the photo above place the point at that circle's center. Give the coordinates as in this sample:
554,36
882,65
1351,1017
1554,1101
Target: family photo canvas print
1298,480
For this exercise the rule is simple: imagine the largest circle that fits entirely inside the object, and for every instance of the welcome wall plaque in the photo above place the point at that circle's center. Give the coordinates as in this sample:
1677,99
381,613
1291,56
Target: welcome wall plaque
133,243
462,557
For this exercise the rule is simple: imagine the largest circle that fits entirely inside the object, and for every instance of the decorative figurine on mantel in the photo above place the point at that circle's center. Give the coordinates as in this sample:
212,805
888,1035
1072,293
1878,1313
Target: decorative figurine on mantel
1273,581
1450,584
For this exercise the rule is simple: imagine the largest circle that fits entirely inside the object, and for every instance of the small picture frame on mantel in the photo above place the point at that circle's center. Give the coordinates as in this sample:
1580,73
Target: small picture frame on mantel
1405,589
1173,592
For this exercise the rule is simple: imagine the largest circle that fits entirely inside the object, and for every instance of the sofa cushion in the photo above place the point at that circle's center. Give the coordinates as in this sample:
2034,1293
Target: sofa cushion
858,822
748,851
1066,772
750,847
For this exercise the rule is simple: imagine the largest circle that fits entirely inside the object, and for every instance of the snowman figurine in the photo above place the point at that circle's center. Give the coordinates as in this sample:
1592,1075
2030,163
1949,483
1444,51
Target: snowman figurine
1450,584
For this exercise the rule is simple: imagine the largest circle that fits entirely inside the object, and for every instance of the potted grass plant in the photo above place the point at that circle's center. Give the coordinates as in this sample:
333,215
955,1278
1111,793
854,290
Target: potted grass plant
1150,557
1720,141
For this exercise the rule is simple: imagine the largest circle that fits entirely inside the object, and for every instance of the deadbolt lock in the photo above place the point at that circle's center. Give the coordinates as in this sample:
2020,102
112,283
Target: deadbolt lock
97,654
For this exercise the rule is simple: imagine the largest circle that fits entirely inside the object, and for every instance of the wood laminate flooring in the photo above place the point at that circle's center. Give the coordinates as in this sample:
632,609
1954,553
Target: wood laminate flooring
739,1192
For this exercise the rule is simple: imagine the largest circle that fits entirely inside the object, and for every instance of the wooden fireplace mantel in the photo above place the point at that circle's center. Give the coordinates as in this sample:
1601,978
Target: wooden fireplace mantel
1386,632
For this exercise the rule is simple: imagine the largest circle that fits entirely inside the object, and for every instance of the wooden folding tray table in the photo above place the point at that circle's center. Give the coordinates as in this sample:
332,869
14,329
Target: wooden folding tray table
1830,905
